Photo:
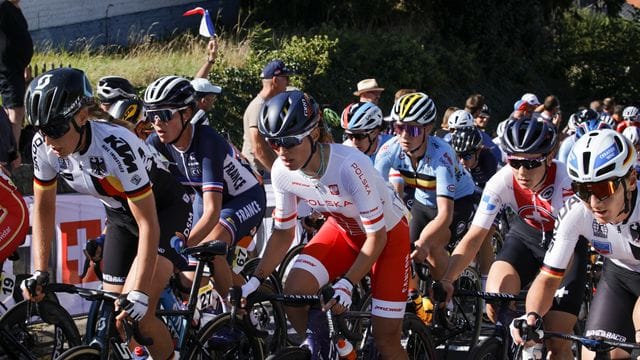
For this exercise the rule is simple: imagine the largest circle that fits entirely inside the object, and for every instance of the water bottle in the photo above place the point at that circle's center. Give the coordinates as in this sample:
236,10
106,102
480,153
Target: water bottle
345,349
140,353
532,352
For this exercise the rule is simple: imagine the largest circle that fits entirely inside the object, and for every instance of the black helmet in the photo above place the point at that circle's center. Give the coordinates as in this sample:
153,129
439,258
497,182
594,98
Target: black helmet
127,110
466,139
529,136
113,88
169,92
287,114
55,96
585,115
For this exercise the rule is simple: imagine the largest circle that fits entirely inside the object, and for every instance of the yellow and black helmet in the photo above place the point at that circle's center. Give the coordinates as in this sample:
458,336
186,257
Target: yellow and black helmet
418,107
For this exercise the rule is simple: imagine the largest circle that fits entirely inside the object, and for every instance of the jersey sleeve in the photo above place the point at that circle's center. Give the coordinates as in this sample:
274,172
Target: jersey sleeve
213,155
384,159
573,218
285,210
44,174
445,176
358,178
491,201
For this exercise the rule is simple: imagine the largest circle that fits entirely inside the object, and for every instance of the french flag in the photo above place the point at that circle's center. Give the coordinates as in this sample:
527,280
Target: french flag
206,25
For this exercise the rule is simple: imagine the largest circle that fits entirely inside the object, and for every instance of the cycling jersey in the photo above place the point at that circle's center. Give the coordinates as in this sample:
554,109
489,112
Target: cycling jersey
487,142
485,169
565,148
538,209
350,190
438,172
14,218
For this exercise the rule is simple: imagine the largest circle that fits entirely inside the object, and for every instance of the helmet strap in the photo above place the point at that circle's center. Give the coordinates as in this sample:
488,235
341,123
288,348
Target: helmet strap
370,143
184,127
313,151
81,130
423,142
627,200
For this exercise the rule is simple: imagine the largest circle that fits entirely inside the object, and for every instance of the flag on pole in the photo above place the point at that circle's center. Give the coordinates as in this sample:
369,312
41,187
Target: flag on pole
206,25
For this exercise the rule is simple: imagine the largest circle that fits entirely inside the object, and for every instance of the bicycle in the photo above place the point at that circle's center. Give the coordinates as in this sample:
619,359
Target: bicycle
239,340
324,332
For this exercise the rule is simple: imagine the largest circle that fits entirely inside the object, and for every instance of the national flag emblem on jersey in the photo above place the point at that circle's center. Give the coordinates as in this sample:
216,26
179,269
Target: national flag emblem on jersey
98,166
602,247
333,189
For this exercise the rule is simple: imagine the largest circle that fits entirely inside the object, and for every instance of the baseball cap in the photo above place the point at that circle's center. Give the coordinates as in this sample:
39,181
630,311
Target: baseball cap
202,85
275,68
531,99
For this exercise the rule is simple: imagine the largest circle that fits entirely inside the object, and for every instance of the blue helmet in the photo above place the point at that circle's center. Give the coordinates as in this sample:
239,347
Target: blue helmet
590,125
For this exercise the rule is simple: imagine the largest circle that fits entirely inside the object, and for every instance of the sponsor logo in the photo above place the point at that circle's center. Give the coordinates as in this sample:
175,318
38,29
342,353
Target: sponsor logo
136,179
599,230
300,184
602,247
43,81
451,188
547,193
123,149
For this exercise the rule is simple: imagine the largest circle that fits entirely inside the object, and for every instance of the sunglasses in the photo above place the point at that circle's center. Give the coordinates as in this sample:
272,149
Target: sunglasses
357,136
601,190
60,129
467,155
163,115
287,142
528,164
411,130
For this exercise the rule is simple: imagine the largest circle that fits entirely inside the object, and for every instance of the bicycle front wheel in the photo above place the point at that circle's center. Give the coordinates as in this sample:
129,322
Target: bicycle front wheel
291,353
82,352
219,340
42,330
416,339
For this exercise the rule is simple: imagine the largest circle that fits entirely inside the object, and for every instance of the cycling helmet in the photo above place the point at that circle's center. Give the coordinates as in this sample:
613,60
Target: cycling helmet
529,136
113,88
607,119
460,118
289,113
632,133
127,110
590,125
500,128
584,115
418,107
331,117
466,139
54,97
630,113
361,116
169,92
600,155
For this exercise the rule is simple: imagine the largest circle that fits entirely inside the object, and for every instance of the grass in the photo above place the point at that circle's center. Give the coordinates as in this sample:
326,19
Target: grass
144,62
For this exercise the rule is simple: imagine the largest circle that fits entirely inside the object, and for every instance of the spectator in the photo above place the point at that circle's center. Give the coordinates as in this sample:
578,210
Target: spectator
205,97
15,54
596,105
8,148
444,126
474,104
608,105
212,55
275,78
369,91
481,120
550,110
617,113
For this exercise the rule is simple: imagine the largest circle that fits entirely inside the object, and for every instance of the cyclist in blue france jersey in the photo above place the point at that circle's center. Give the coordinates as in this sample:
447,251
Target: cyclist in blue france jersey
230,201
443,204
145,205
606,212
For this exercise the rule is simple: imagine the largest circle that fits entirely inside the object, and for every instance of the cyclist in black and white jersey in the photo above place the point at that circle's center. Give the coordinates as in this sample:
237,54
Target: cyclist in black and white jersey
145,205
606,212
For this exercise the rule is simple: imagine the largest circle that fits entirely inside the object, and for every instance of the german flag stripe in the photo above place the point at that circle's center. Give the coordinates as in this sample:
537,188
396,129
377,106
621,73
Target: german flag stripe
551,271
44,184
139,193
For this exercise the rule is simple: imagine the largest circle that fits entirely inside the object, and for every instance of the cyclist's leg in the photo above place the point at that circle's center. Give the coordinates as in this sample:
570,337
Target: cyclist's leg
389,283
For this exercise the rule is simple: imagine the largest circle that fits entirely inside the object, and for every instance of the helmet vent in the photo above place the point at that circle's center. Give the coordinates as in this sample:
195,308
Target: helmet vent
607,169
586,156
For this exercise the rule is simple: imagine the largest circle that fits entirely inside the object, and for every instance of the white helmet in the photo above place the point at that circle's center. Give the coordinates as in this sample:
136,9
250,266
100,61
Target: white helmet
500,129
600,155
460,118
607,119
630,113
632,133
361,116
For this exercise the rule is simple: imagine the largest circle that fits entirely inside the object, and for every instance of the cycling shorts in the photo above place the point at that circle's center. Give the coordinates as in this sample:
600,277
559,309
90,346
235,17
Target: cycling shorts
121,239
612,306
14,219
527,259
331,253
463,210
243,214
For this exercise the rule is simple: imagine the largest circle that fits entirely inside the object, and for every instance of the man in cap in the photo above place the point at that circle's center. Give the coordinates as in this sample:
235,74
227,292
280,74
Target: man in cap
275,78
205,97
369,91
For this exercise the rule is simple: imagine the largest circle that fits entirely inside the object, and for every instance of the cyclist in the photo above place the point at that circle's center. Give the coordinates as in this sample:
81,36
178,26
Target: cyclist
605,211
581,117
362,124
630,117
534,186
633,133
366,229
230,201
463,118
113,88
118,98
444,190
14,217
145,205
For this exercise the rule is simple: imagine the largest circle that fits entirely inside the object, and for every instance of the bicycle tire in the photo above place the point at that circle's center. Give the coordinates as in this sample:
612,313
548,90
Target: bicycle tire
416,339
217,341
291,353
469,308
28,325
490,349
287,262
82,352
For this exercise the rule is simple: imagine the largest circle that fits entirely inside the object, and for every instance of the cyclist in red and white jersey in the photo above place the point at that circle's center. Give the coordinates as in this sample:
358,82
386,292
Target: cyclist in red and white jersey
606,212
14,217
366,230
534,186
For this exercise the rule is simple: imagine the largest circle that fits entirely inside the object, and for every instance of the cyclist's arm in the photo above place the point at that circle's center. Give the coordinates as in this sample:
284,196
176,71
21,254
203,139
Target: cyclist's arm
211,215
438,228
144,212
43,217
369,253
465,251
274,253
261,149
541,292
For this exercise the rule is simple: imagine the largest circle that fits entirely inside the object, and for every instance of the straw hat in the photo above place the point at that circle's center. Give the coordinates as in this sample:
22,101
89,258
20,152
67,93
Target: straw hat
367,85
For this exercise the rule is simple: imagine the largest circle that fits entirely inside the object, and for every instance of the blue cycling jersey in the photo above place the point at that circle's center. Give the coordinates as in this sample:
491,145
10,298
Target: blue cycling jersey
438,173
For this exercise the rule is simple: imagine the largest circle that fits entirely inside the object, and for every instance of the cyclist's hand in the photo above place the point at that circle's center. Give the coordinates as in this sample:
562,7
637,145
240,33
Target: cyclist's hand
341,300
525,328
33,287
419,254
447,286
251,286
93,249
135,305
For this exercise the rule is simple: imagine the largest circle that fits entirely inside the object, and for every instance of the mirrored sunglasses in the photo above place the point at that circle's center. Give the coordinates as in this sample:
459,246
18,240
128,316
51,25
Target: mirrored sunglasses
163,115
601,190
287,142
528,164
411,130
60,127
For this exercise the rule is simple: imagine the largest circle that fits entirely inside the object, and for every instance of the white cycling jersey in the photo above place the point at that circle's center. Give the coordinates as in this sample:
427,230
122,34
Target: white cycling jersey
351,191
619,242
